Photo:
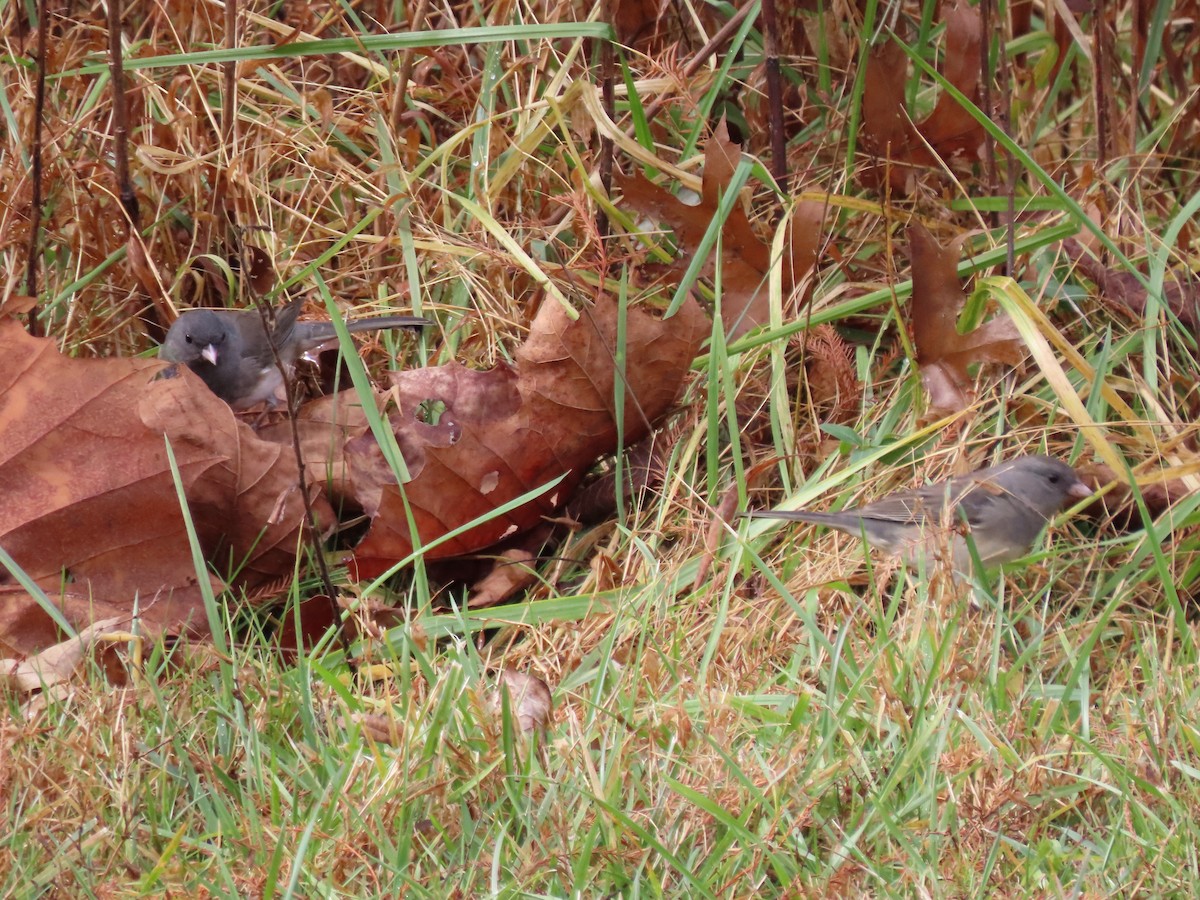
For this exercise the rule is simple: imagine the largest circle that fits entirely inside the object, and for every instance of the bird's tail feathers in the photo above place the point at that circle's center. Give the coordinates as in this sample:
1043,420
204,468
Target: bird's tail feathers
383,323
794,515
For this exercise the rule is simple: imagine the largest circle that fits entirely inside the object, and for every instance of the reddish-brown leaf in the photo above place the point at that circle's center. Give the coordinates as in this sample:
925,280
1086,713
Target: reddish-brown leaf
17,304
55,664
942,353
89,500
1126,291
528,699
745,259
950,129
889,133
513,429
258,270
1119,507
514,570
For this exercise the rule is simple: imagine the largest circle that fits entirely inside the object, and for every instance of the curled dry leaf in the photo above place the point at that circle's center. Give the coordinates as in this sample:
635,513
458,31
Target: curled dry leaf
745,260
513,571
638,22
950,128
25,628
258,269
89,499
17,304
54,664
644,468
528,698
147,275
718,526
1126,291
301,628
943,354
514,429
887,131
381,729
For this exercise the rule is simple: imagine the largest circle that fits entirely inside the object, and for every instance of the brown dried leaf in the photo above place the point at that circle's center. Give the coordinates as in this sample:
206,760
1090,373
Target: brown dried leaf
258,270
950,129
718,527
1126,291
512,572
381,729
17,304
887,131
528,697
89,496
514,429
635,20
1118,504
745,260
147,275
54,664
301,628
644,468
890,133
942,353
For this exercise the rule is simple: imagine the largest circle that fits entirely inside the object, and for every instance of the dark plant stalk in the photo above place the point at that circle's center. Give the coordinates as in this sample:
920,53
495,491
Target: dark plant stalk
129,200
770,33
35,203
608,99
985,98
1102,80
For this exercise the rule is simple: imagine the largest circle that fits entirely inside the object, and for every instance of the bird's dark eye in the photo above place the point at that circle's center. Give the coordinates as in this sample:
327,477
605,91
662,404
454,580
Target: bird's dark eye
1055,478
188,338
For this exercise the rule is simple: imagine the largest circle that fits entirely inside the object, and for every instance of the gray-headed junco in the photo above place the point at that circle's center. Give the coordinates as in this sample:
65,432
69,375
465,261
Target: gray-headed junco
229,350
1004,507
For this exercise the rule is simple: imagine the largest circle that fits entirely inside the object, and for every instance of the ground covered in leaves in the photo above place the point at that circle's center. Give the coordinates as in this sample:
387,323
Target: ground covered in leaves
683,260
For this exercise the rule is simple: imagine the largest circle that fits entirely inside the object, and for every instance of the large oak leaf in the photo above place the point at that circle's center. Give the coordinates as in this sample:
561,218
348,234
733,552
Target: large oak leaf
745,259
90,508
514,429
943,354
949,130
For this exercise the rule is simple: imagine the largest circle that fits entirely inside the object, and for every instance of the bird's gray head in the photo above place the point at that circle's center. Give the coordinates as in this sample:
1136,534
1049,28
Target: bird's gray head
199,335
1046,484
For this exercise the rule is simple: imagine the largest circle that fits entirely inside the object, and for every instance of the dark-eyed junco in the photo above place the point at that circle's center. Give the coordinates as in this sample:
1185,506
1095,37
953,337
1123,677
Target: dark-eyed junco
228,348
1004,507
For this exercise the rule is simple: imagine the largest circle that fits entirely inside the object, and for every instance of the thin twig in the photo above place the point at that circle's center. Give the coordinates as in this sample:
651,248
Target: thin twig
218,202
230,72
312,526
714,43
406,66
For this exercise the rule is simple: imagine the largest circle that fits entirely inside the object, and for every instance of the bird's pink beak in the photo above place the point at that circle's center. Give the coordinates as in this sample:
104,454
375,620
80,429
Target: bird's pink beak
1079,491
210,353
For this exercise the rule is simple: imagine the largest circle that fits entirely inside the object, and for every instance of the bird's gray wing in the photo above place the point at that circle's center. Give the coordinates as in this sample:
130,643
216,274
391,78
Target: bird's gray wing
284,335
916,507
